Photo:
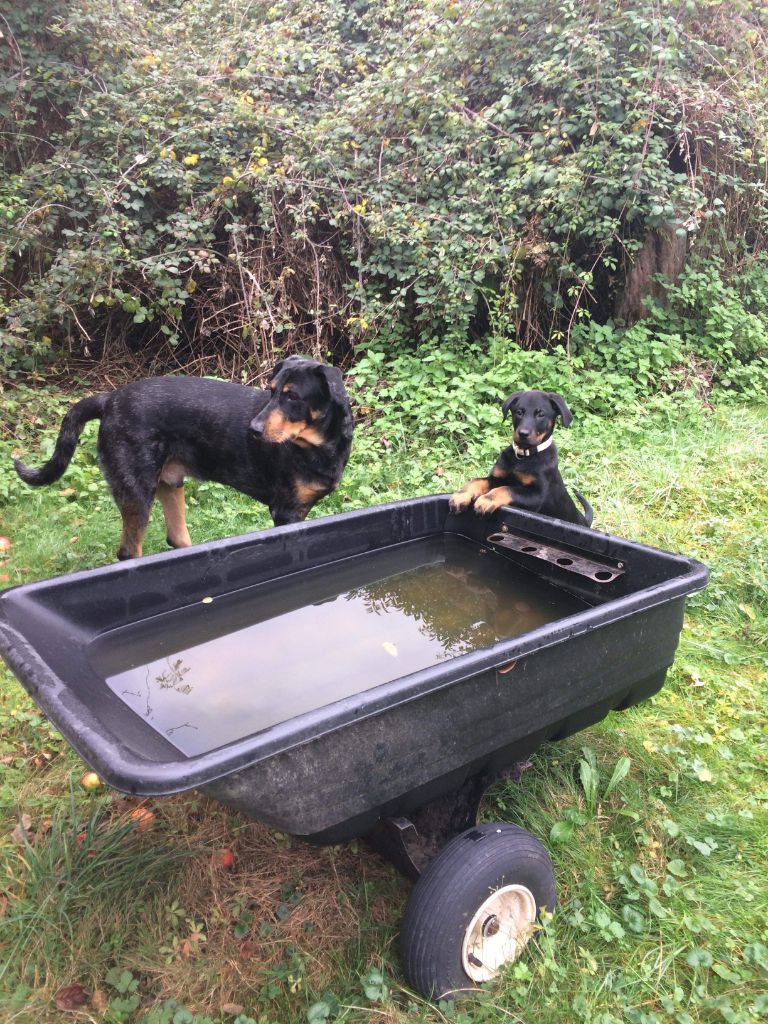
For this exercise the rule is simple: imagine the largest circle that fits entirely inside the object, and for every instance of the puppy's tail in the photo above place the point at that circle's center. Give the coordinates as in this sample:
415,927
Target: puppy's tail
71,427
589,515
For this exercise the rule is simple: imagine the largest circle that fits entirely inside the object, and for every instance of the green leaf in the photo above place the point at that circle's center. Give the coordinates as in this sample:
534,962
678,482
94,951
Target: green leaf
698,957
318,1012
677,867
561,831
620,772
656,907
726,973
633,919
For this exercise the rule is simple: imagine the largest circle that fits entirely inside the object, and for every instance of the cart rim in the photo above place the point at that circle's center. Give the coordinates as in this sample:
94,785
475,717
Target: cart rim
498,932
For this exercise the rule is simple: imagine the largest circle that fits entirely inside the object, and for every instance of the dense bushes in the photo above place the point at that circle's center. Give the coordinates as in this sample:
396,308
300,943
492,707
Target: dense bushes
212,183
708,336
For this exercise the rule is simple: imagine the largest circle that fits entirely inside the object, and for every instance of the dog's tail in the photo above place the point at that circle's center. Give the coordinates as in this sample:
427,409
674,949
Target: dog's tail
72,425
589,515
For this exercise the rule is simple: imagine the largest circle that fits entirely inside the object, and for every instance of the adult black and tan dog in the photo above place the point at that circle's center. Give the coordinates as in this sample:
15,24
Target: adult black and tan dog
526,474
286,446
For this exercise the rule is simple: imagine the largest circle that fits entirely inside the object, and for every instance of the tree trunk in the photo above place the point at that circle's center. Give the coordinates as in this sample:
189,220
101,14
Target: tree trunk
662,255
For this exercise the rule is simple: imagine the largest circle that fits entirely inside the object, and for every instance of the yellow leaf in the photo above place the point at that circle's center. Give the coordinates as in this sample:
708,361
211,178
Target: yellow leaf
390,648
192,159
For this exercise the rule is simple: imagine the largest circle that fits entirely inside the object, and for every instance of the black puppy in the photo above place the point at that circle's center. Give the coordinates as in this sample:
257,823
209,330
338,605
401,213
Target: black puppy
526,473
286,447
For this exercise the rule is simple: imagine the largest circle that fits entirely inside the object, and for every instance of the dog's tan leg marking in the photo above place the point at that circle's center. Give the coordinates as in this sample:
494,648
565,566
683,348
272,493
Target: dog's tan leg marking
461,500
174,510
488,503
134,527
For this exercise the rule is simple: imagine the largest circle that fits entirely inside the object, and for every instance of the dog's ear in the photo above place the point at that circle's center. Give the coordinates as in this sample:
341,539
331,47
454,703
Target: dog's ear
561,409
336,386
334,383
329,379
509,402
275,371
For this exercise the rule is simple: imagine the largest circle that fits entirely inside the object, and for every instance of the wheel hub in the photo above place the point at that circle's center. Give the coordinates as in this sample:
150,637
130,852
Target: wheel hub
498,932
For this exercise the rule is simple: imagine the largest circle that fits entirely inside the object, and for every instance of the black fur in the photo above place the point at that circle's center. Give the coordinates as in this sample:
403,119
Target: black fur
286,447
528,479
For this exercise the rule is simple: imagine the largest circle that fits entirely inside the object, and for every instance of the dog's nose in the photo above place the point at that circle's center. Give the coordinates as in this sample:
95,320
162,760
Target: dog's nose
523,434
256,428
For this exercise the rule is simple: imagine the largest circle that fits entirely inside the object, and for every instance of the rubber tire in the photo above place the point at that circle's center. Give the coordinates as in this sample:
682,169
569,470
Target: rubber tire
451,890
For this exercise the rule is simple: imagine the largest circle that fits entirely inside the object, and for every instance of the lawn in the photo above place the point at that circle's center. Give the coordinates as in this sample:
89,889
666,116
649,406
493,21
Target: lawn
178,910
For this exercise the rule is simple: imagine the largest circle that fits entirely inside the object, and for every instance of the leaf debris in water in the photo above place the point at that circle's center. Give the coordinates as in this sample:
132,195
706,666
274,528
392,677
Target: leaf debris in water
390,648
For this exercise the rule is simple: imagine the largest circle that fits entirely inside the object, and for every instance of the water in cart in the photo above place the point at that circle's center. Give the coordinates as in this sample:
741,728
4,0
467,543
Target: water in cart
206,675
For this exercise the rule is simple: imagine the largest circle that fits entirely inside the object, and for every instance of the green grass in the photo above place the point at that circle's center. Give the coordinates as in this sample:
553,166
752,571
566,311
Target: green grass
663,912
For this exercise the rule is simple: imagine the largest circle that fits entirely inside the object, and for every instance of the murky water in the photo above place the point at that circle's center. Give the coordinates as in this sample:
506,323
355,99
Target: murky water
215,672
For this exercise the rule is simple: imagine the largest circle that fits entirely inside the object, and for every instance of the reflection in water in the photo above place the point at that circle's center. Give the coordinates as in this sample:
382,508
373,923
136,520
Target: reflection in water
464,604
169,676
212,673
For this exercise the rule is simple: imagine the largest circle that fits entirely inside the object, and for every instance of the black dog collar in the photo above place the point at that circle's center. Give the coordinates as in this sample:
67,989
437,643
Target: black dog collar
524,453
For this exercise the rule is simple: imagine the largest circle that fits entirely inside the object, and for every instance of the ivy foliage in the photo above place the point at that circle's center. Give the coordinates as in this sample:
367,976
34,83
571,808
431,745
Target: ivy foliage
222,182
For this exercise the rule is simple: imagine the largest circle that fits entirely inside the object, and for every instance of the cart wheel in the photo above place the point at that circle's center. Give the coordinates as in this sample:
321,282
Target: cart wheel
474,909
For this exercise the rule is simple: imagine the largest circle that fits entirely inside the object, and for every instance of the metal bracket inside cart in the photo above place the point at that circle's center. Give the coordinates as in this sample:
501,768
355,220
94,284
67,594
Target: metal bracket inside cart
600,572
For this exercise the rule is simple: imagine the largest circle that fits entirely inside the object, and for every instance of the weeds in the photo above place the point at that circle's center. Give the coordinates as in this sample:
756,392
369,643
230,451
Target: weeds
67,869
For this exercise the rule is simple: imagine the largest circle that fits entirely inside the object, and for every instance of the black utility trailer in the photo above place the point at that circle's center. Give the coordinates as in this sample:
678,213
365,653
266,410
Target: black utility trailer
401,746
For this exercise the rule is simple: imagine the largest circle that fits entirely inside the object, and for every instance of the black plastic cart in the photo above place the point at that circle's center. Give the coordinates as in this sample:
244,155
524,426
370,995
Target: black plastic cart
402,762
